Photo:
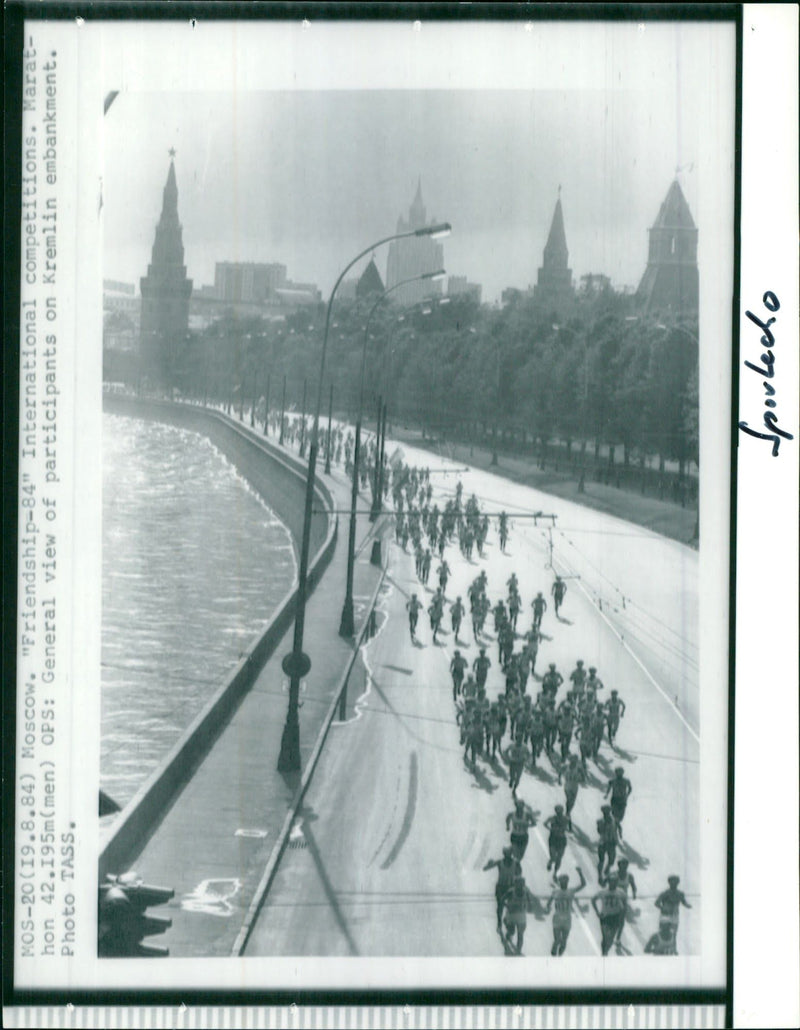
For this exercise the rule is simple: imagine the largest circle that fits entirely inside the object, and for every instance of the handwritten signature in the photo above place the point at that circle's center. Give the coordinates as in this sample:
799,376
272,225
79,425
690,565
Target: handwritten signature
771,303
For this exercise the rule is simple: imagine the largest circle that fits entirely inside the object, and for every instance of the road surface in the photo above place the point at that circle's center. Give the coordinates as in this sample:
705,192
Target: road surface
386,855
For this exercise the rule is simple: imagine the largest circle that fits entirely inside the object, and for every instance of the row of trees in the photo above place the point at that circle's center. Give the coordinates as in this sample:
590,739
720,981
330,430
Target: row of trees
601,373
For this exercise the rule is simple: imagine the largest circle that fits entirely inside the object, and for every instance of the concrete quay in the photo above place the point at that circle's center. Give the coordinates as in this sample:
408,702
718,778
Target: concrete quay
232,818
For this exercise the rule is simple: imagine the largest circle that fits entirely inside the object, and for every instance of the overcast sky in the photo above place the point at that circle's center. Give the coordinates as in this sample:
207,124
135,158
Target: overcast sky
311,169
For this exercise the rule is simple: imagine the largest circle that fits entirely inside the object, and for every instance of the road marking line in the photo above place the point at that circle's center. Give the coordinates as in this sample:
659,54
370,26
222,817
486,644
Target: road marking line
633,655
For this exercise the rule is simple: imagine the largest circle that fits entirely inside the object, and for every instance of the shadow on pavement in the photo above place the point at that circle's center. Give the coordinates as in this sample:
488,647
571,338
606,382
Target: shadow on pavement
482,781
536,909
292,781
633,856
540,774
309,816
497,768
581,839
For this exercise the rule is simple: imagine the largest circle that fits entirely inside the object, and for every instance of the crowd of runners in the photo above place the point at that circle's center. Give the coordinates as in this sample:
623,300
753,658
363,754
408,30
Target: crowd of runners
538,716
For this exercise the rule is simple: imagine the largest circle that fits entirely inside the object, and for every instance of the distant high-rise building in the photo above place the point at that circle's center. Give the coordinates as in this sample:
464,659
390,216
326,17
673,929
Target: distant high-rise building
670,282
165,290
370,281
553,289
414,256
459,285
248,282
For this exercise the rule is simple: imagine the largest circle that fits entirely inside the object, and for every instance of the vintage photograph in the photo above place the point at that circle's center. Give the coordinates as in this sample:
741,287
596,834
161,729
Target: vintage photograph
401,589
387,551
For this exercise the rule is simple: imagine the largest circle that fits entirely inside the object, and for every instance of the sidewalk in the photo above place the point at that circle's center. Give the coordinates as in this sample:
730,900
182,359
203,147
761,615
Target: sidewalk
214,843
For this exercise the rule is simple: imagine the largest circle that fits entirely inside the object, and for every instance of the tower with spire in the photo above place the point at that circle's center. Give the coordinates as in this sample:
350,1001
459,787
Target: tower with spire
414,256
165,290
553,290
670,285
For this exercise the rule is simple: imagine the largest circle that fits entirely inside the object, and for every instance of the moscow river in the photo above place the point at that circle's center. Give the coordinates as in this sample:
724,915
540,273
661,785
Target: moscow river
194,566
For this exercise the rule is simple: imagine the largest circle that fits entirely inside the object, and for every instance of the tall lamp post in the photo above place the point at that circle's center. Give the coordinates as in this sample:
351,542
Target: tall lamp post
347,623
296,664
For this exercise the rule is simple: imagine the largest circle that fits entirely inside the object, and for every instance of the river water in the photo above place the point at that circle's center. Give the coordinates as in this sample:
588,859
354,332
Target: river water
194,565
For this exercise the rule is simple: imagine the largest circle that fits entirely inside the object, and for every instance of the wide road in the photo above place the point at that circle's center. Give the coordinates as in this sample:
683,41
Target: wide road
386,857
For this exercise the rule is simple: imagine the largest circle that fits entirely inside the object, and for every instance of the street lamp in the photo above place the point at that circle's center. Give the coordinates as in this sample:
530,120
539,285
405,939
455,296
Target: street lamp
347,624
296,664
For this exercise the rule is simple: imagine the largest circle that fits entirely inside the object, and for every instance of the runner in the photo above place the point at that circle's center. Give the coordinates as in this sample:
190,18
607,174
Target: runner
482,611
550,723
624,881
481,667
615,710
523,670
574,778
518,822
577,678
496,727
413,607
511,673
503,531
456,615
475,612
593,683
558,591
435,613
662,942
514,608
426,566
598,720
444,574
566,726
474,736
513,584
458,666
539,606
620,789
505,643
508,869
552,681
515,755
611,906
624,878
532,638
609,836
516,903
470,690
557,824
500,615
669,904
536,731
562,899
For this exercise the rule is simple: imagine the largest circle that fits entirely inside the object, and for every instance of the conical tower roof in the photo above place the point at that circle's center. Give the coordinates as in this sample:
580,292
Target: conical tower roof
370,281
674,212
555,250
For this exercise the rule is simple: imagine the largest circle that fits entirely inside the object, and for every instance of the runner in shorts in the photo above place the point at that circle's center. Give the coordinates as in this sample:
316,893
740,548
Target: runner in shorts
610,905
562,900
516,903
519,821
508,869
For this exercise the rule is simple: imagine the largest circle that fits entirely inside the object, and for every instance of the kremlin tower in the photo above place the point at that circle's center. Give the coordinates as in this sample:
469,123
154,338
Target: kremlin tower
165,291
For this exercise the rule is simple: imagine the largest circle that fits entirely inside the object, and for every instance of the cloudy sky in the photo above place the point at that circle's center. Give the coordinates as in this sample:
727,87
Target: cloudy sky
303,145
